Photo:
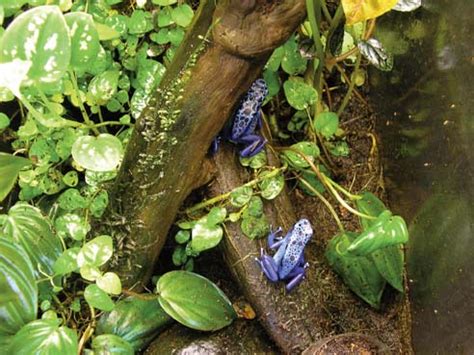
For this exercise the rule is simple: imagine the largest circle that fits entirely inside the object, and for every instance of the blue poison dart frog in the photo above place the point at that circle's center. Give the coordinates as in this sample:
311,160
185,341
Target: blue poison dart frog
246,120
288,263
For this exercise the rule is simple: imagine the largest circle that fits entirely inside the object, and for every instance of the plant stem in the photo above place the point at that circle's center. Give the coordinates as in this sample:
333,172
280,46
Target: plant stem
347,97
216,199
108,123
325,201
85,116
326,13
313,8
88,332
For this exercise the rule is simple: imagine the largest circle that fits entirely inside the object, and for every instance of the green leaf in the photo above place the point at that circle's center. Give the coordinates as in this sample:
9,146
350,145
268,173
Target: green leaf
135,320
4,121
102,153
18,273
339,148
205,235
292,62
387,230
85,44
299,94
390,264
103,87
71,178
309,149
255,207
140,22
12,76
107,33
10,167
110,283
98,298
179,256
254,227
216,215
257,161
271,187
361,10
182,236
67,262
26,226
111,344
182,15
311,178
194,301
164,2
240,196
72,225
358,273
39,35
273,83
371,205
90,273
71,199
99,204
275,60
44,336
164,17
96,252
327,123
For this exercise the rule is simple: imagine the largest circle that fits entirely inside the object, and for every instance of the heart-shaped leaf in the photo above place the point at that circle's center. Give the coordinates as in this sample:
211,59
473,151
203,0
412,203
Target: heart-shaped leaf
101,153
16,268
98,298
327,123
299,94
103,87
216,215
358,272
71,225
309,149
205,236
194,301
240,196
387,230
182,15
110,283
10,167
371,205
85,44
67,262
111,344
96,252
44,336
26,226
39,35
271,187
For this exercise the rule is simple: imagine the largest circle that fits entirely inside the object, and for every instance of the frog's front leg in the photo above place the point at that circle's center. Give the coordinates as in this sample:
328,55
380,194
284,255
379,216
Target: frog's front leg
255,145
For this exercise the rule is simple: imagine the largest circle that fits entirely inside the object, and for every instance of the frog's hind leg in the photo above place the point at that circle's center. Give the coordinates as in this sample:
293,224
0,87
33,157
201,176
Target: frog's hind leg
297,274
268,266
256,144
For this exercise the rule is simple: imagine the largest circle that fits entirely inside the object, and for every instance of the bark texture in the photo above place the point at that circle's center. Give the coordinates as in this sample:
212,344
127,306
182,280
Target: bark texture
164,159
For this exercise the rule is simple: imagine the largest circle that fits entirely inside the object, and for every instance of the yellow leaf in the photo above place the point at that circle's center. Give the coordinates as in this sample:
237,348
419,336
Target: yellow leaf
361,10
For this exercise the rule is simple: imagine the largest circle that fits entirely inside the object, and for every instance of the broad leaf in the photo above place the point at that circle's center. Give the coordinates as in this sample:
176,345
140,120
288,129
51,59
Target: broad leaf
299,94
182,15
103,87
44,336
387,230
85,44
374,52
194,301
358,272
67,262
271,187
26,226
361,10
98,299
101,153
370,205
96,252
240,196
16,268
135,320
10,167
39,35
111,344
12,75
390,264
309,149
205,236
110,283
327,123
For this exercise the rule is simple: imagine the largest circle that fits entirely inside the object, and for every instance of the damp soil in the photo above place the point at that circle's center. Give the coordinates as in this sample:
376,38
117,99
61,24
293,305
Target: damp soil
342,311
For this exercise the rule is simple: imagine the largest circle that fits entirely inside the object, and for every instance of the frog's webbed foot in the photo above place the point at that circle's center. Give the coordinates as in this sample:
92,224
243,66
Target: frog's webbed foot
268,266
256,145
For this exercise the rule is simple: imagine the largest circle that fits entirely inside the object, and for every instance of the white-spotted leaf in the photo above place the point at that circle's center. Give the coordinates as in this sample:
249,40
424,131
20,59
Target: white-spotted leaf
299,94
101,153
96,252
374,52
39,35
110,283
407,5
